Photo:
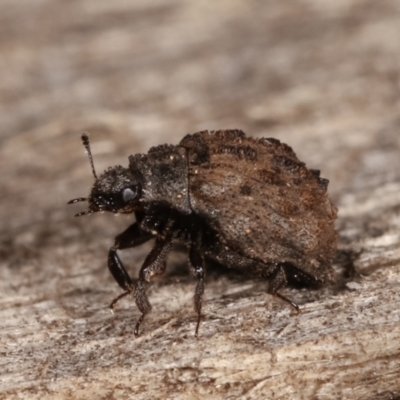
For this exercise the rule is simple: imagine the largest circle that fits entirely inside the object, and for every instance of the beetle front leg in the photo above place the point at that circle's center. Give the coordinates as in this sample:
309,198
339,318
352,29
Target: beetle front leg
196,264
154,264
131,237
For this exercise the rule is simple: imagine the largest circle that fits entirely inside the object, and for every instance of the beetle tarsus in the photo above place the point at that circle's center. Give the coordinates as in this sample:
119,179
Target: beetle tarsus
196,264
292,303
117,299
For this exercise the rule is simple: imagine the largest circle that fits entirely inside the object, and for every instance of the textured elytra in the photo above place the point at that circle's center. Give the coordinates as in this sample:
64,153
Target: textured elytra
264,203
247,203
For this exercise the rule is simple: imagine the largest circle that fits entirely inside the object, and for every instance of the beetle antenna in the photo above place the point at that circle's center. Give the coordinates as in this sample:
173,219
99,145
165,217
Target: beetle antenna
77,200
85,141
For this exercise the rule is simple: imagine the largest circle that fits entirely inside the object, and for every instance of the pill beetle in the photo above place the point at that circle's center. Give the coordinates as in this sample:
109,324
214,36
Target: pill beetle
246,203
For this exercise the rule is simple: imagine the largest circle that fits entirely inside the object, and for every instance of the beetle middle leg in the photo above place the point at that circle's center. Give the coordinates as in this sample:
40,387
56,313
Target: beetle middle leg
196,264
131,237
154,264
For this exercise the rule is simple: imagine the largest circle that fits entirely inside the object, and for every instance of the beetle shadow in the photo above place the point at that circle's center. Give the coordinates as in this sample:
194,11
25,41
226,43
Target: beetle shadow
344,266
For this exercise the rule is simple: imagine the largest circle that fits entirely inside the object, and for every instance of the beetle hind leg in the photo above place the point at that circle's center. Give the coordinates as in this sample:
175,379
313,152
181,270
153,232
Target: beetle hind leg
279,280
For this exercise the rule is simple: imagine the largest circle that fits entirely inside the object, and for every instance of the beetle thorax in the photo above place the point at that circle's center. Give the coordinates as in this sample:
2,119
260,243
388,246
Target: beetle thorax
163,176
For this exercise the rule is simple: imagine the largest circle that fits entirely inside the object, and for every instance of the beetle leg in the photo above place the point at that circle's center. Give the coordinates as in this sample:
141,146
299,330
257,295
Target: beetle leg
277,282
131,237
154,264
196,264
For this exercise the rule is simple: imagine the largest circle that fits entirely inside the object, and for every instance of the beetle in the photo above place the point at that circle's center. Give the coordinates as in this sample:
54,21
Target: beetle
247,203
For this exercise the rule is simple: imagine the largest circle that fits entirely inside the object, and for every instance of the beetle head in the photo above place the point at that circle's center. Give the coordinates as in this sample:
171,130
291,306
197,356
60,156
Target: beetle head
116,190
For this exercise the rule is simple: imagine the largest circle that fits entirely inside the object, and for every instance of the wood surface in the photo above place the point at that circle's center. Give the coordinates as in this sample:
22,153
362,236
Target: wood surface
322,76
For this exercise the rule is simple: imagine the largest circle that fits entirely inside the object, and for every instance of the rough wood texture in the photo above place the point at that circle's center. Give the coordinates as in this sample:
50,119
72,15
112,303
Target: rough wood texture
322,76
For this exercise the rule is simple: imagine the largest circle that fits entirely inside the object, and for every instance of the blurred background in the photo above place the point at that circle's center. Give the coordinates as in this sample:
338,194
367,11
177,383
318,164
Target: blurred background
322,76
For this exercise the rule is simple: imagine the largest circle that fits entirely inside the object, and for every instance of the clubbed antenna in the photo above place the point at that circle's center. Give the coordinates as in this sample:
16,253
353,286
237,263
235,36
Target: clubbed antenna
85,141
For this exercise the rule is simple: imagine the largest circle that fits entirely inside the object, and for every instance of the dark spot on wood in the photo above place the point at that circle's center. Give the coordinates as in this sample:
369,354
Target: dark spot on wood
245,190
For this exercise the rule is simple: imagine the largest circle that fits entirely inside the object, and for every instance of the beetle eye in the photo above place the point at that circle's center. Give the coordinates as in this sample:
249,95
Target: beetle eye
128,194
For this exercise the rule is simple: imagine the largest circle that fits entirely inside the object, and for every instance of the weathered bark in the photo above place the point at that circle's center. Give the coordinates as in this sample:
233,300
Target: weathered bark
320,76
